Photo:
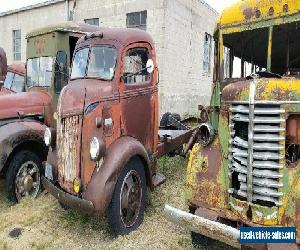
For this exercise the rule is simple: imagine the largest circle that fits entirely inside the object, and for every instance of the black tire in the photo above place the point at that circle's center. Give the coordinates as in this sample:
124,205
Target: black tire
116,219
17,163
176,116
168,120
164,122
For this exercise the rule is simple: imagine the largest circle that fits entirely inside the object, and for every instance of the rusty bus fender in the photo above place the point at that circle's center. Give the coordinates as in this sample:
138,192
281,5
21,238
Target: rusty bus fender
203,226
13,135
101,187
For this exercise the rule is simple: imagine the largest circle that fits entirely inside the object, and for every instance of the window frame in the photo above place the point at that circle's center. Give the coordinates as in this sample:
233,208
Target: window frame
56,89
52,68
87,21
12,79
140,25
88,62
17,48
137,46
207,68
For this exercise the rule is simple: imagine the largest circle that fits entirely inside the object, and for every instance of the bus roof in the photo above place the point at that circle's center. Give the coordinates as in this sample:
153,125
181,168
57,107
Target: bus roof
255,11
63,27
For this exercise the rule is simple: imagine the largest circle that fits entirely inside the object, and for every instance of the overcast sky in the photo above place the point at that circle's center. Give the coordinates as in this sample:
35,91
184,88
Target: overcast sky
6,5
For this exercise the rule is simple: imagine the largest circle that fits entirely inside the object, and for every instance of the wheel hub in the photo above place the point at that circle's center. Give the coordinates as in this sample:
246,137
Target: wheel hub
131,194
28,183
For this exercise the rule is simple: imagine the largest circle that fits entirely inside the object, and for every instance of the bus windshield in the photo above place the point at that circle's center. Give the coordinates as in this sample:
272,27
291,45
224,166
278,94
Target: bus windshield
247,52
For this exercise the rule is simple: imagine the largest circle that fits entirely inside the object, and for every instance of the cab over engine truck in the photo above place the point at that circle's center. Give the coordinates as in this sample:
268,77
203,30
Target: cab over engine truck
102,156
245,170
23,116
3,65
14,81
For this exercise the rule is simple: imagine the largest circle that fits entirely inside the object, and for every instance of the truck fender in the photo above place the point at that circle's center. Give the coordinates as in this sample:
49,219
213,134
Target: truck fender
101,187
14,134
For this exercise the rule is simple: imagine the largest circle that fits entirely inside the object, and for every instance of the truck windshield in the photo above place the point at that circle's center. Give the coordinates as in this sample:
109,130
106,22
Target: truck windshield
99,63
14,82
39,72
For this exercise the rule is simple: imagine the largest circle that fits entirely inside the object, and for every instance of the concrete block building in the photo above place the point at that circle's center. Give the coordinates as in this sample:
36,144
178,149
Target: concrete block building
182,31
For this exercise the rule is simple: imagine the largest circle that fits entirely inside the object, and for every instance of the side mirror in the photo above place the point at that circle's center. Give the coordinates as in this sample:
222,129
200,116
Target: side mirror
150,66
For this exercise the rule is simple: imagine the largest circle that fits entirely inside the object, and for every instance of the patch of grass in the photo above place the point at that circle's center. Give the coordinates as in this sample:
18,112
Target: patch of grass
42,246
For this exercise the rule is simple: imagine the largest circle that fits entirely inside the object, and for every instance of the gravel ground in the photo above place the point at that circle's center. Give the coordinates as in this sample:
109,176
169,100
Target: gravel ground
43,224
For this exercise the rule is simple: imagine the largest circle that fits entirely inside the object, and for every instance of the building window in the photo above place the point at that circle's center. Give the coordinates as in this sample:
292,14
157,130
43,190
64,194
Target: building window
137,20
92,21
17,45
207,52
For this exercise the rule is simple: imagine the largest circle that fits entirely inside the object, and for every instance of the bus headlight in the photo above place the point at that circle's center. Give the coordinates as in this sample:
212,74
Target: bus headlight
206,134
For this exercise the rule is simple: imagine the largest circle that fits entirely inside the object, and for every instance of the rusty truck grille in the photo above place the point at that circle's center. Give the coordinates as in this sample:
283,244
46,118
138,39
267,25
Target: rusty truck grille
68,137
257,153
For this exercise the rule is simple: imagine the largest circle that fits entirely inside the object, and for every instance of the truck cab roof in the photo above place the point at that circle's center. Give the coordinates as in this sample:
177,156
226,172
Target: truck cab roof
122,36
74,27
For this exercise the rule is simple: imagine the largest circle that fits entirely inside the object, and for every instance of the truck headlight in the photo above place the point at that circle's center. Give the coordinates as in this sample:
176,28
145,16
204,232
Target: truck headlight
94,148
48,137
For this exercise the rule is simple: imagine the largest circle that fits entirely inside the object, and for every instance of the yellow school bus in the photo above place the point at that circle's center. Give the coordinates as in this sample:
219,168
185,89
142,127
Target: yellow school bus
245,169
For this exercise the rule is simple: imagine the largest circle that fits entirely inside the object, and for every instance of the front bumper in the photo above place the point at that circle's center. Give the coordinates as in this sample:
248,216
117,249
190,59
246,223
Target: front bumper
203,226
68,199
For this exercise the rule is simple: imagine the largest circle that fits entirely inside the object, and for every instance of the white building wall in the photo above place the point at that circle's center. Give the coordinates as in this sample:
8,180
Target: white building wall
184,83
177,26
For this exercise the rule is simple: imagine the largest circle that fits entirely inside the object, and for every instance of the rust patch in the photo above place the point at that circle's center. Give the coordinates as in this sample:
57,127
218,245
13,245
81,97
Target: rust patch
206,185
248,13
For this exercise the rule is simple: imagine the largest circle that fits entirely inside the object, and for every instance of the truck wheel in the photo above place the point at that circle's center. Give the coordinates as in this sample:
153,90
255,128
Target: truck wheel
23,178
126,210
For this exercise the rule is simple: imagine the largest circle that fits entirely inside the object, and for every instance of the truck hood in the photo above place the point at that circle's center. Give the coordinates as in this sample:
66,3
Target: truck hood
78,95
266,89
23,104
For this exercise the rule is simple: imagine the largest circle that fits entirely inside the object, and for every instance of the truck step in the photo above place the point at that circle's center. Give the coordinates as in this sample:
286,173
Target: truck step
158,179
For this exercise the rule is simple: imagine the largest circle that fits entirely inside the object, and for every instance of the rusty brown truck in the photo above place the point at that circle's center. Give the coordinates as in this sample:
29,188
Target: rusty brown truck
103,154
23,116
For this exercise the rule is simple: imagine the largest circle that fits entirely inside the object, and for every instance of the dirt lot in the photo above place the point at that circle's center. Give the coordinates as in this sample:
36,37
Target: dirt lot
43,224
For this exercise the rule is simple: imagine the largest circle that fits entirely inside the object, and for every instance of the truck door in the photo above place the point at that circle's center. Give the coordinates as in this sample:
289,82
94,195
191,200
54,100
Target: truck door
137,95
